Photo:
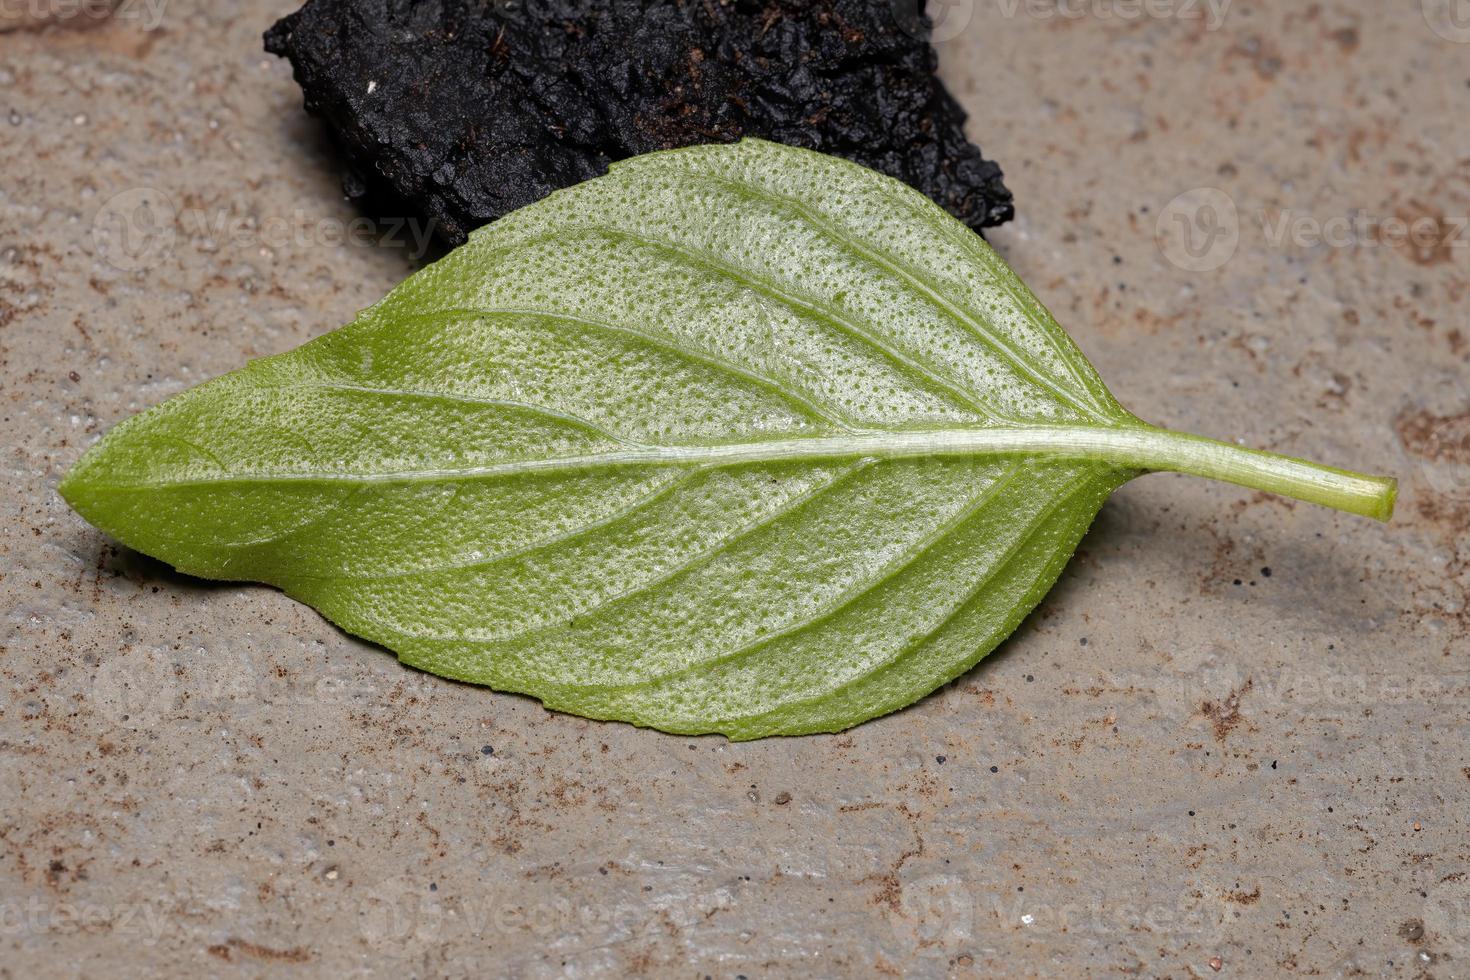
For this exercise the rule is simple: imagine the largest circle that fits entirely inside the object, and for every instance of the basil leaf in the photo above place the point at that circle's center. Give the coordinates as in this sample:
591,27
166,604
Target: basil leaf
738,439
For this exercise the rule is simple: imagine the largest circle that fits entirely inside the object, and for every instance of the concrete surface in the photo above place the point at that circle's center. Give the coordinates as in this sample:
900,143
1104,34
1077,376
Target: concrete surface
1183,765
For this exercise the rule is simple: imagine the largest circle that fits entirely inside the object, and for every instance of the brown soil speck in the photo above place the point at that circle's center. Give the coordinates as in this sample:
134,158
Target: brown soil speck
1242,897
890,885
1432,238
1443,438
225,951
1224,715
1347,39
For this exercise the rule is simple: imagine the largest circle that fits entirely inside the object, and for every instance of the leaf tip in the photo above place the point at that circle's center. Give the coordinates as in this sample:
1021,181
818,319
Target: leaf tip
78,486
71,486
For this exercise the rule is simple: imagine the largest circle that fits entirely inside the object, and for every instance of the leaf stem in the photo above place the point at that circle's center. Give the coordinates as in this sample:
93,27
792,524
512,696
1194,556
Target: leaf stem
1344,490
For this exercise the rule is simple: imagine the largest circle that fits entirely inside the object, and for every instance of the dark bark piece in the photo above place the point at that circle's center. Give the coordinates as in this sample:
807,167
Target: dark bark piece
465,110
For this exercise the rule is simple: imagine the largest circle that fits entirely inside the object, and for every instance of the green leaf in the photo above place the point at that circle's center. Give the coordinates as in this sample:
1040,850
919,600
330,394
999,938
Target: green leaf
741,439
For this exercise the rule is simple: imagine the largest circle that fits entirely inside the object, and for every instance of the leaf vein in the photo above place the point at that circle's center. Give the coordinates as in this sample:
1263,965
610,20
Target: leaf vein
894,569
790,507
1065,348
926,370
913,276
668,344
621,514
576,421
908,649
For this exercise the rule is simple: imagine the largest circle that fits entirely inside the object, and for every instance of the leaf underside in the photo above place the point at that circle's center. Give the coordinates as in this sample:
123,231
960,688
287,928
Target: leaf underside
628,451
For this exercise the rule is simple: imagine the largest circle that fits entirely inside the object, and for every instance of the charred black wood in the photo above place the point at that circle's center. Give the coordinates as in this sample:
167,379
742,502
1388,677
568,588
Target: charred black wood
464,110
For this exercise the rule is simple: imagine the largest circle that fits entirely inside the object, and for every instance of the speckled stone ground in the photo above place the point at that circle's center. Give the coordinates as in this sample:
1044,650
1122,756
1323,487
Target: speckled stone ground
1232,742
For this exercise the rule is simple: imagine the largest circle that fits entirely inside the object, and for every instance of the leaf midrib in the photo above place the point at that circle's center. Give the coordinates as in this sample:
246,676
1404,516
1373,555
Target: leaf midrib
1130,446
